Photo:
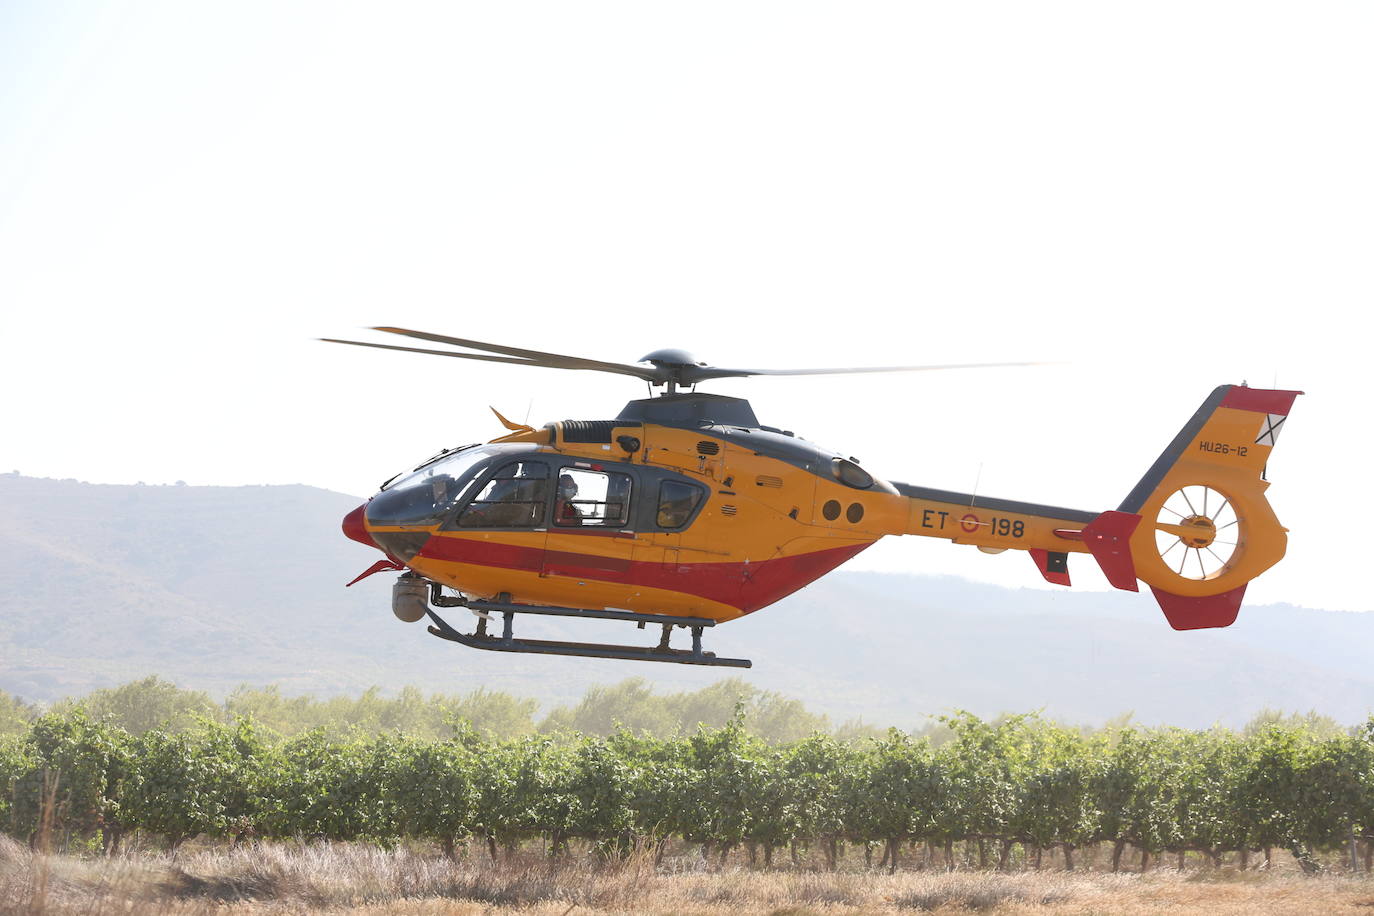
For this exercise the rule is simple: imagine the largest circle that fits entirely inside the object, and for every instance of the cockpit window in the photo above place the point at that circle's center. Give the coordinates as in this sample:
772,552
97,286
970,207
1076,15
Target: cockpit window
676,503
432,459
593,499
426,495
515,497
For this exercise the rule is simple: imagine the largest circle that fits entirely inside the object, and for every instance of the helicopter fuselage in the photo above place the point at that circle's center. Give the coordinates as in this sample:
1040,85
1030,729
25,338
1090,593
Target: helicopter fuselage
684,511
683,505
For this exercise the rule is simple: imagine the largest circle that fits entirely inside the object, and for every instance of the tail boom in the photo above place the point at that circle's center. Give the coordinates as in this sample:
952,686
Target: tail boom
1195,529
1049,533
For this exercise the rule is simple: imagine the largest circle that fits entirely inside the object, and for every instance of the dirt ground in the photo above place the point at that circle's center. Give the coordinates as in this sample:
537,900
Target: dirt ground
360,879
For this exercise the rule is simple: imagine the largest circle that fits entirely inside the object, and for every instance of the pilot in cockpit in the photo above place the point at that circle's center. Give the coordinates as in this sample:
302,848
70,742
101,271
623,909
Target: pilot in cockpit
513,498
565,511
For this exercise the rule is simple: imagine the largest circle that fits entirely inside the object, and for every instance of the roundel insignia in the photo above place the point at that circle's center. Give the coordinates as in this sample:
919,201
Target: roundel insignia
969,523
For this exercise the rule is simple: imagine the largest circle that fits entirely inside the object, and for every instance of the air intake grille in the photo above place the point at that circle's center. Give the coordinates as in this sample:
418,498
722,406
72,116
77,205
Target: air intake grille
707,447
591,430
728,510
765,480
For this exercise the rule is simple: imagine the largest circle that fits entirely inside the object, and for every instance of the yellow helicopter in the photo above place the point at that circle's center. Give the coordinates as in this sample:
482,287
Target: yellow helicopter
684,511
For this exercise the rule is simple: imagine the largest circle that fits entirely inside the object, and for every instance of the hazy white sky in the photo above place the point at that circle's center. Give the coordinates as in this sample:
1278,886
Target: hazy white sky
1163,196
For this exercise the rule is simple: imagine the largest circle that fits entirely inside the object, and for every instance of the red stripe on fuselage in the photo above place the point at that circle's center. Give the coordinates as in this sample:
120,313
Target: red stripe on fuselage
747,586
483,553
773,580
586,565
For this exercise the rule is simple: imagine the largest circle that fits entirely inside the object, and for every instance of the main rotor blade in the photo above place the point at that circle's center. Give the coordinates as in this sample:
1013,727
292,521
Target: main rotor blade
709,372
542,364
553,360
478,356
657,374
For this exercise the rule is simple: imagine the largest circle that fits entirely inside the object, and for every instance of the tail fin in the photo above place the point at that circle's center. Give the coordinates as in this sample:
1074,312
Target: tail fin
1198,525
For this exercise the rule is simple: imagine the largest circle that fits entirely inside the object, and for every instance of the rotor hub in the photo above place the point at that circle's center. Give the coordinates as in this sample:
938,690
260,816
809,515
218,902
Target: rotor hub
672,359
1204,531
1198,532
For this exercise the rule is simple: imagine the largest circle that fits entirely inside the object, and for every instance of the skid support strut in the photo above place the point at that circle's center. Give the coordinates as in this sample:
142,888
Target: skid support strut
480,638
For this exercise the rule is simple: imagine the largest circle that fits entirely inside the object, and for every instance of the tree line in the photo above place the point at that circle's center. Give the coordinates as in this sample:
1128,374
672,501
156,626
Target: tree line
993,794
154,703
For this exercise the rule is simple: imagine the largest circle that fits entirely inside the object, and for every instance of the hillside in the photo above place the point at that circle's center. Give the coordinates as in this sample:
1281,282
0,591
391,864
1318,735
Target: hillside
216,586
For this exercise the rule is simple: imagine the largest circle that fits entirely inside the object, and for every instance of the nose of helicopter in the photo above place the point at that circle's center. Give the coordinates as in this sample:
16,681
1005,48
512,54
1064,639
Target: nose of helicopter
354,528
399,546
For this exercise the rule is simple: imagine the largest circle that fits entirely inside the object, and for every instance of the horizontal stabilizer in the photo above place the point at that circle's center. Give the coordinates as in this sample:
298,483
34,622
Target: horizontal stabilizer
1109,538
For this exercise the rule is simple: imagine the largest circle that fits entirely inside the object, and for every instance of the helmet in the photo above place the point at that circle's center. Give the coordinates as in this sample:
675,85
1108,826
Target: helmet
567,487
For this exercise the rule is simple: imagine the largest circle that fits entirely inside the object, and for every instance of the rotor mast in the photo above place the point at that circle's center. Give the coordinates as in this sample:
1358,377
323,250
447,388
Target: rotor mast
672,366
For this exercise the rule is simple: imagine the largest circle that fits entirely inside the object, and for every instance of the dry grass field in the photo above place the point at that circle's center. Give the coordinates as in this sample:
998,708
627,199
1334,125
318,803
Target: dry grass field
359,879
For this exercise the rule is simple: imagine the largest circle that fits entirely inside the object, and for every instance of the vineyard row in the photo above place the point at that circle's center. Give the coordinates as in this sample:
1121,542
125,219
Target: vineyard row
996,785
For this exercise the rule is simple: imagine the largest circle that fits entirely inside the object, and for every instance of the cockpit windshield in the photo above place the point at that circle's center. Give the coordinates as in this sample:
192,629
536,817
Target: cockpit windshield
426,495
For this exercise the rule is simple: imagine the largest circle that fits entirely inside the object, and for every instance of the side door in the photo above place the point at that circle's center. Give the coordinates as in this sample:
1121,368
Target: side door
590,531
665,542
503,525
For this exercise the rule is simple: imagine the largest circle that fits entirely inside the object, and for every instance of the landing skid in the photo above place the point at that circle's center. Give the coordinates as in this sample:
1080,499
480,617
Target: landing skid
506,642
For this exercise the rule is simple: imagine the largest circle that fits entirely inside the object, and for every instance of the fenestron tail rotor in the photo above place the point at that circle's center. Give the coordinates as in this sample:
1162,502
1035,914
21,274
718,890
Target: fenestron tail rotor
672,368
1197,531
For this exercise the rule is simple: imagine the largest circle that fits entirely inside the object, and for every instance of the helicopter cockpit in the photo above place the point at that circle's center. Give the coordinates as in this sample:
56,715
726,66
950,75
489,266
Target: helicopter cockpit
423,496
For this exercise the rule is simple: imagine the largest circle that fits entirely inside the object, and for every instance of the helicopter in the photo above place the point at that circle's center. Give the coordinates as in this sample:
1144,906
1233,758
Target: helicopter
684,512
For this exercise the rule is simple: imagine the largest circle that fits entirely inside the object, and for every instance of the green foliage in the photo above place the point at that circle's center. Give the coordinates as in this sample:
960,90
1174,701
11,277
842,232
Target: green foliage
153,703
1124,811
814,774
1290,782
142,706
216,780
331,789
178,785
725,775
522,788
890,790
411,712
431,787
985,763
1312,721
602,787
1055,773
856,730
661,782
16,762
84,766
15,715
492,714
632,704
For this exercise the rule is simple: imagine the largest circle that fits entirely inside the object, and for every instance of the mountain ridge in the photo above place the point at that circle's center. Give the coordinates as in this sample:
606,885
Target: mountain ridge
213,587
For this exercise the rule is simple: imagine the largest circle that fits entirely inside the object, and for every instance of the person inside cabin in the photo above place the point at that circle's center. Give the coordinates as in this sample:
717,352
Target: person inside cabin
513,498
565,511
